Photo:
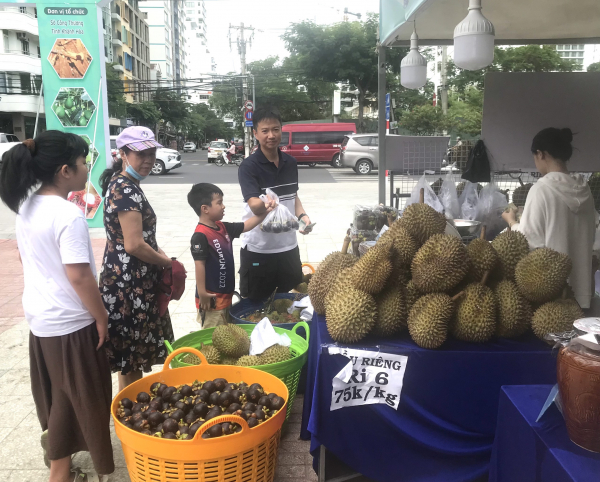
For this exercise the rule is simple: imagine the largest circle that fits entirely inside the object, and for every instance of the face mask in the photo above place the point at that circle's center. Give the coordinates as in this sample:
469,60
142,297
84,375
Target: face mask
133,173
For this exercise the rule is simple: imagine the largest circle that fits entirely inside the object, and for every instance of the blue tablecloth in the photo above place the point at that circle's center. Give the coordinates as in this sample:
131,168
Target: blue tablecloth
444,427
536,452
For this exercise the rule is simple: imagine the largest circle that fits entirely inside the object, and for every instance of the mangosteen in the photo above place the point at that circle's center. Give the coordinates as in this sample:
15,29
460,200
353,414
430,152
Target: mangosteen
220,383
190,418
265,401
209,386
184,430
253,395
143,397
166,406
227,428
252,422
137,416
246,414
156,418
243,386
205,435
260,415
249,406
154,386
234,407
203,395
186,390
295,224
189,401
214,398
156,404
276,227
169,436
137,407
213,412
180,405
272,395
140,425
175,398
215,431
146,432
126,403
128,425
224,400
237,395
258,386
168,393
277,403
145,411
231,386
201,409
194,428
160,389
177,415
170,425
266,227
125,412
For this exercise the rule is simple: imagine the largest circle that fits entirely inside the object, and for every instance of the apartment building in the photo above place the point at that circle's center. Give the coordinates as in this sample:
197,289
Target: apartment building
20,72
200,63
582,54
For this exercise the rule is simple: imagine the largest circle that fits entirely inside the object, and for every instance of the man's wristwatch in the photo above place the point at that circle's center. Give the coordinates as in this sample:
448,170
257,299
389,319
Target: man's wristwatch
301,216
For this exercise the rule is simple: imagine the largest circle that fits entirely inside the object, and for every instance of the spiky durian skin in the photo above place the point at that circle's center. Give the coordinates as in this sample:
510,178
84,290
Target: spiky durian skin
325,275
403,247
275,354
511,247
411,295
351,315
248,361
229,361
542,274
482,257
555,317
213,357
520,194
231,340
440,264
302,288
371,272
422,221
391,312
475,317
514,311
281,305
428,320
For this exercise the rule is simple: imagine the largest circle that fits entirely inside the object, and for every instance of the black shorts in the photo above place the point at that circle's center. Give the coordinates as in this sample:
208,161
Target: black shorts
261,273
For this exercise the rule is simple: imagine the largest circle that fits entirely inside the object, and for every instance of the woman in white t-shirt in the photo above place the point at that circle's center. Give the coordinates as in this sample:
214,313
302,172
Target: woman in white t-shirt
70,374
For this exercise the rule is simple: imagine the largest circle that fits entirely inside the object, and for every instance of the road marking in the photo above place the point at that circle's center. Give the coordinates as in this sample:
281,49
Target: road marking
195,164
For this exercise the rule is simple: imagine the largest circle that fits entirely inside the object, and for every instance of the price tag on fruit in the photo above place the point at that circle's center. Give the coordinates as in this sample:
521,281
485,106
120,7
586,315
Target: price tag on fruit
370,377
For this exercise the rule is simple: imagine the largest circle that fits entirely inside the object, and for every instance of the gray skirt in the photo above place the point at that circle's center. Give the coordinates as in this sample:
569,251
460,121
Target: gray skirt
72,390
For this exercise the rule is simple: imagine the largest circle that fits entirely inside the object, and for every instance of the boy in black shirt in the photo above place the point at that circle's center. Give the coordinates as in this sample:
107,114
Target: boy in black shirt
213,253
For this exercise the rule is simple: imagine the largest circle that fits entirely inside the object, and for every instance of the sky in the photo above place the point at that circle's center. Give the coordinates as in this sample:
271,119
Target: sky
270,18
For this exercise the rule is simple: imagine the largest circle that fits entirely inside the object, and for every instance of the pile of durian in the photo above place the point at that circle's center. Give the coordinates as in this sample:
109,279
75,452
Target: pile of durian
420,280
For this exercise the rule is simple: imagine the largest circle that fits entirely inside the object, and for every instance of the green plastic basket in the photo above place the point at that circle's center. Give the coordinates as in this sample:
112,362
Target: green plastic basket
287,371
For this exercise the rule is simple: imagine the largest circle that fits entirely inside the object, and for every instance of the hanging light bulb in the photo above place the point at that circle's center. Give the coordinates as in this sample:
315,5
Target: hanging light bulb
474,40
413,68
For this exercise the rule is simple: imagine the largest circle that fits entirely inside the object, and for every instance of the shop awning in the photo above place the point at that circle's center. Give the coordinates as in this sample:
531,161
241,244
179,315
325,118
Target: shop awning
516,21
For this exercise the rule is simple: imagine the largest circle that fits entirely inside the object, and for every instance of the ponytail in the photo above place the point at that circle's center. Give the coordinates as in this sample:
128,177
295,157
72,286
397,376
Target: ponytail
37,161
107,175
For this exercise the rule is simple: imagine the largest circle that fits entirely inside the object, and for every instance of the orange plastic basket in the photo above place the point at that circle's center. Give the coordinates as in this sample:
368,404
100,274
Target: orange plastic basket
249,455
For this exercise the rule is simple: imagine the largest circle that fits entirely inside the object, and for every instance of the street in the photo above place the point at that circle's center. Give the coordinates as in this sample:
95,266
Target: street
195,168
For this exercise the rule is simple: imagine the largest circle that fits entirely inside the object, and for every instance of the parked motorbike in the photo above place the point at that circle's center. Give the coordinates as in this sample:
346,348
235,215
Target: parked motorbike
236,159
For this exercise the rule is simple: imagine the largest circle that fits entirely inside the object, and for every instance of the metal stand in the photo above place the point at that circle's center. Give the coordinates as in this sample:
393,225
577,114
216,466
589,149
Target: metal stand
322,478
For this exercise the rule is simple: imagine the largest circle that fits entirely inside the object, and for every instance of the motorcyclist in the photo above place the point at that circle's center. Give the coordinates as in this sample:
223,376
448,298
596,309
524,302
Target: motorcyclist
230,152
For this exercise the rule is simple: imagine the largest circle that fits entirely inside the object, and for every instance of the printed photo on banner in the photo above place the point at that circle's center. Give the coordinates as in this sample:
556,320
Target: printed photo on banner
70,58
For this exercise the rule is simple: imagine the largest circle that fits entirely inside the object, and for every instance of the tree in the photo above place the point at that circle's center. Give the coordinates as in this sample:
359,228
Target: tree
172,107
344,52
594,67
117,106
426,120
144,113
203,124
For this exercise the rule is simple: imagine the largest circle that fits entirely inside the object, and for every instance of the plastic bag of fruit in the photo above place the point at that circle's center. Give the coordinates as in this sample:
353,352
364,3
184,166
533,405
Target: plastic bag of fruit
430,197
280,220
449,197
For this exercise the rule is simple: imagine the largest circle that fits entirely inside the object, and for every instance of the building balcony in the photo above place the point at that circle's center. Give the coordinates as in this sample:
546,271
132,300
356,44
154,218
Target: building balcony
119,68
21,103
12,19
116,13
17,61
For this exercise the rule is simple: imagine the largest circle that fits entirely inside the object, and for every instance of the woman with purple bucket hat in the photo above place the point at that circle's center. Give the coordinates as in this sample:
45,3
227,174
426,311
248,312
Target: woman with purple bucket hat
133,262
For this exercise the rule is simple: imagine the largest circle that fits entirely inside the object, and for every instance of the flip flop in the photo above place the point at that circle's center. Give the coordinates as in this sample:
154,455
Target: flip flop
80,476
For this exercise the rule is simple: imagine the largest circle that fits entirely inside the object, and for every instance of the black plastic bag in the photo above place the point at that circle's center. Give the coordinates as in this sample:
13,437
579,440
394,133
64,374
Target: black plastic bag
478,165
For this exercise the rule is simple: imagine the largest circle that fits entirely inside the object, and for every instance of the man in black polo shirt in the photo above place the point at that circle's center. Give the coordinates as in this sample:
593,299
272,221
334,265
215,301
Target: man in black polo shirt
269,260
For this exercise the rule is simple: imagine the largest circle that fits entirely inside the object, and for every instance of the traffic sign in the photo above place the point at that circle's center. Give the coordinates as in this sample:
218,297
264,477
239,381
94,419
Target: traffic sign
249,124
249,105
248,115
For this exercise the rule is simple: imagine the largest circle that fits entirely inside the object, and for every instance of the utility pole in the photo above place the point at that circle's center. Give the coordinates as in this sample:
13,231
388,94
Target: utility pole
444,79
242,51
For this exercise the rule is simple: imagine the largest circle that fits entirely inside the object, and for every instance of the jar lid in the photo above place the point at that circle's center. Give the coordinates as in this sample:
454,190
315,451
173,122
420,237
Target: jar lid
589,325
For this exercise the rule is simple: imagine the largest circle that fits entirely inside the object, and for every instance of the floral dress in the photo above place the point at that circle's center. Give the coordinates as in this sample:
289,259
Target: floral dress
128,286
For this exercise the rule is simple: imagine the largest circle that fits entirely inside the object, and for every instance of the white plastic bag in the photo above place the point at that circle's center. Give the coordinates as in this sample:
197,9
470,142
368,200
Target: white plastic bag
449,198
468,201
430,198
280,220
492,204
263,336
305,306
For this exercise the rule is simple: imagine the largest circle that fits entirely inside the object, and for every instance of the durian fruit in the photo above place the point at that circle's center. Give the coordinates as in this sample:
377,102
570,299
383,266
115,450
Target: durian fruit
460,187
213,357
555,317
514,311
411,295
281,305
403,246
428,320
190,359
437,185
231,340
391,312
482,257
475,317
351,315
248,361
275,354
440,264
542,274
323,278
520,194
511,247
229,361
594,183
422,221
371,272
306,278
302,288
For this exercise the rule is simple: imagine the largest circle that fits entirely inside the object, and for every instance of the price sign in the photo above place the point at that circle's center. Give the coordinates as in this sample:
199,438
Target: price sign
370,377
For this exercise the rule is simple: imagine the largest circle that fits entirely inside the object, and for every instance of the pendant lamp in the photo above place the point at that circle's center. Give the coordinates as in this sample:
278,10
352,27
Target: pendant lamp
413,68
474,40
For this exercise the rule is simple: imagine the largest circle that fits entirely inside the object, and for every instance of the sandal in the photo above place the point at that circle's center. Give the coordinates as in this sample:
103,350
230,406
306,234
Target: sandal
80,476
